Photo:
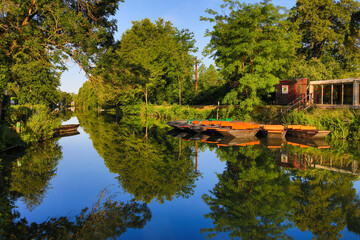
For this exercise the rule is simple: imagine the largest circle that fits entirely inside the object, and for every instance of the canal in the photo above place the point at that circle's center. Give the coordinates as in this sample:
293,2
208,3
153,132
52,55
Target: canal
130,179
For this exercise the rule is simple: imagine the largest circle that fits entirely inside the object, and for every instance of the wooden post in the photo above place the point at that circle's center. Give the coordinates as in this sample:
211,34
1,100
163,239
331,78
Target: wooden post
311,93
332,94
342,94
217,113
322,94
356,93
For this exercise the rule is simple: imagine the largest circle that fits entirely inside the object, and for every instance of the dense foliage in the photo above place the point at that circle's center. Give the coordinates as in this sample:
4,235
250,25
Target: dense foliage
329,33
36,37
255,46
152,63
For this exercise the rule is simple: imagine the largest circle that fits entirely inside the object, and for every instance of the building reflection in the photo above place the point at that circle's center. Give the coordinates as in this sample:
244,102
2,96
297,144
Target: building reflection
289,152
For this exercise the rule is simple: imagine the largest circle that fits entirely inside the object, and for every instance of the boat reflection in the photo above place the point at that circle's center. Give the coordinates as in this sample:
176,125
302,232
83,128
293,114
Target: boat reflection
289,152
228,140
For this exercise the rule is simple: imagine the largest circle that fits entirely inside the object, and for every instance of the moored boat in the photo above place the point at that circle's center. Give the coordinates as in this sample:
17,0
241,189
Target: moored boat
274,131
302,131
225,128
67,128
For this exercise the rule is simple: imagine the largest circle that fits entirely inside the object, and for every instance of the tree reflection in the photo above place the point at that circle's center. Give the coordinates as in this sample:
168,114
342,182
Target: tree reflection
250,201
322,200
254,199
106,219
32,172
150,164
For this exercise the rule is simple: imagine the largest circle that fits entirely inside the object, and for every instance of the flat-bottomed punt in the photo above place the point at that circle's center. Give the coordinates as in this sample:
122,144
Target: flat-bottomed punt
226,128
306,131
66,130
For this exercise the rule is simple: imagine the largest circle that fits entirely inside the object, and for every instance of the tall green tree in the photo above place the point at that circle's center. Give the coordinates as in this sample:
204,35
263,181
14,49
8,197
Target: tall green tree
254,45
35,37
154,57
329,31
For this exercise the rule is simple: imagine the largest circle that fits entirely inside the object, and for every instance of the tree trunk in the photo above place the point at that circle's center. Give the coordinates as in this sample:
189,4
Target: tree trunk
146,96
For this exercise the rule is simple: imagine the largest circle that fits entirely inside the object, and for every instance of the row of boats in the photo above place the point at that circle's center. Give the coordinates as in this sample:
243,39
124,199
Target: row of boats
240,129
228,141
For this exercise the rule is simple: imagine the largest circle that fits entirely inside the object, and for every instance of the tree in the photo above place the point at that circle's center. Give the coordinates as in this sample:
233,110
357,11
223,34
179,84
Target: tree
208,77
35,37
329,32
156,55
254,45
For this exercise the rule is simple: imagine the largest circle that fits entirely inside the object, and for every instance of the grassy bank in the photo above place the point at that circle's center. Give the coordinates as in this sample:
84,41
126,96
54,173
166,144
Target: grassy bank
343,123
267,114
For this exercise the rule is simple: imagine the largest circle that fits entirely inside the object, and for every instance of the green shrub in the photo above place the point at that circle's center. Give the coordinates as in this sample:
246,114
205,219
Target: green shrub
40,125
9,138
134,109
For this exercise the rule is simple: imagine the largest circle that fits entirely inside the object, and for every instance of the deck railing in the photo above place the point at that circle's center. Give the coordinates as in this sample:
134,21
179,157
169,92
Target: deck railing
302,102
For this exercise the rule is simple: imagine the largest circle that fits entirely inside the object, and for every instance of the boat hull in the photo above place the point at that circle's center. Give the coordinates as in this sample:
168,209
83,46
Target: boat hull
307,133
66,128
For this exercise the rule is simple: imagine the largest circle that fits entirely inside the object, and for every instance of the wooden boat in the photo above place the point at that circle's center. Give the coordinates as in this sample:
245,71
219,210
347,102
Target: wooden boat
236,129
301,131
225,128
178,124
66,134
274,131
66,128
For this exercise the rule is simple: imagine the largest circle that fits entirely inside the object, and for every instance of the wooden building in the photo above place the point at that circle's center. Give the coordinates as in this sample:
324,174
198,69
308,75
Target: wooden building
287,91
335,93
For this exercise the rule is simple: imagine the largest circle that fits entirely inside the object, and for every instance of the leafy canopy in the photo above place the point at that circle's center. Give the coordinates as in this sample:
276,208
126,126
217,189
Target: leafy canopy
254,44
36,36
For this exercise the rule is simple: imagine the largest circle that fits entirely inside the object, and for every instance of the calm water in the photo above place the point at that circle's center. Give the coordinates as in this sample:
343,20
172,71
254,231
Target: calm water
164,189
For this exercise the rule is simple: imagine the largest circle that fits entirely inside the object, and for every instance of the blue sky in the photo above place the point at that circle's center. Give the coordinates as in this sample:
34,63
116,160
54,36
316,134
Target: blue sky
182,13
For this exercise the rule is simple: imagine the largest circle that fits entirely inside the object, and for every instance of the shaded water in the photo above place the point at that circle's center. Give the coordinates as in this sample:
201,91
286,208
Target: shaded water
163,187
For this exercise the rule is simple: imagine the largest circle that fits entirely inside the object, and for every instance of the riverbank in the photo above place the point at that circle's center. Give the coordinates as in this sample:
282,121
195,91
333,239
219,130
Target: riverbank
343,123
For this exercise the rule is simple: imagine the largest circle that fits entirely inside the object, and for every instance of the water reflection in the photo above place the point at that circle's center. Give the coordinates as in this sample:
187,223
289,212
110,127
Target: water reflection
256,200
149,165
267,189
25,175
32,172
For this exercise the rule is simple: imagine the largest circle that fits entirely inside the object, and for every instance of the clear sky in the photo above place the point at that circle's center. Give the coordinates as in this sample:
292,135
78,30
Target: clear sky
184,14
